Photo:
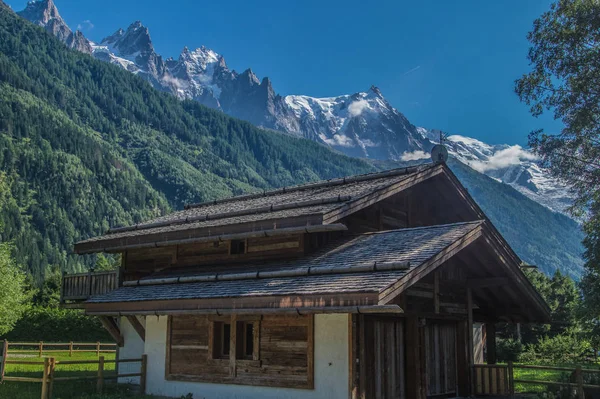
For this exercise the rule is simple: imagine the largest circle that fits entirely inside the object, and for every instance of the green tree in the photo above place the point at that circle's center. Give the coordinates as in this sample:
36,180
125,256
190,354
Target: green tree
12,293
565,78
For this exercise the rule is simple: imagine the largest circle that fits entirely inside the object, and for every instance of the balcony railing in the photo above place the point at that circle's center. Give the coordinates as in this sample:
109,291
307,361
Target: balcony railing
79,287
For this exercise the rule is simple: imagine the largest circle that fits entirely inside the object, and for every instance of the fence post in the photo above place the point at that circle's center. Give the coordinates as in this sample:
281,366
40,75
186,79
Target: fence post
100,382
52,365
579,380
41,348
71,349
143,371
4,357
45,378
98,349
511,378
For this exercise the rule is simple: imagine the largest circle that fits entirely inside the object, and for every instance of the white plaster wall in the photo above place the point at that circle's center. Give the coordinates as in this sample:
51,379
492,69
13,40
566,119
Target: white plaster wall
133,348
330,362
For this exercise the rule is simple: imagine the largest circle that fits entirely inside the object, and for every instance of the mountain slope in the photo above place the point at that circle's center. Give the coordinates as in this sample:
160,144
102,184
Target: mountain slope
85,146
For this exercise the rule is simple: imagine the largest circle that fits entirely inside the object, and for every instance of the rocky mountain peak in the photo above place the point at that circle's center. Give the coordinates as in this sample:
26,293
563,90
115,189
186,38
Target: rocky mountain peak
44,13
135,40
375,90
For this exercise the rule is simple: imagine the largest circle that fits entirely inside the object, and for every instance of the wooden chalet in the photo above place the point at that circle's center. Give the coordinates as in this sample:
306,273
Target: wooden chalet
359,287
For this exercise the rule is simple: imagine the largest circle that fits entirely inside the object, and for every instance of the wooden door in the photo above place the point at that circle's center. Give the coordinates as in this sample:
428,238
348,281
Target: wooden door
440,352
384,358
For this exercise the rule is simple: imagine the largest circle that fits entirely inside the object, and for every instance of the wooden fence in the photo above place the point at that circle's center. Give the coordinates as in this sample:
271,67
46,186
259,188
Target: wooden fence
498,379
50,363
81,286
71,347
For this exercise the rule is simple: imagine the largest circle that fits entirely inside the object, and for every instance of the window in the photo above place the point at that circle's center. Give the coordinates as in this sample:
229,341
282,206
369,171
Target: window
221,340
245,340
237,247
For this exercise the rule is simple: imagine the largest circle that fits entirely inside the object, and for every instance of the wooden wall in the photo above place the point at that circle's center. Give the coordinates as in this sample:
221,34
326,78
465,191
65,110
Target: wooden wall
141,262
284,356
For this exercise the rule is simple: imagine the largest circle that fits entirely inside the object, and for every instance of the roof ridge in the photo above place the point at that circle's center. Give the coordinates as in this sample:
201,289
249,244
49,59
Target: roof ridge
223,215
318,184
479,221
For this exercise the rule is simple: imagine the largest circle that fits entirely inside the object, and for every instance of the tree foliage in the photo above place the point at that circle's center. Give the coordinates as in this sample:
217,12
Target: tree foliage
13,299
565,78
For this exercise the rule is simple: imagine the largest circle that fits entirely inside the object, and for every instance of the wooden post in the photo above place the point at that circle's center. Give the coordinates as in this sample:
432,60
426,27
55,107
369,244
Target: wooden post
490,343
52,365
89,281
511,378
98,349
45,378
471,359
579,379
4,356
143,372
100,382
41,348
436,292
71,349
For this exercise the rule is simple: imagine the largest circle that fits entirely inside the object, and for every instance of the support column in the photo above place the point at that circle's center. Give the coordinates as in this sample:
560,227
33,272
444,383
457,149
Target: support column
490,343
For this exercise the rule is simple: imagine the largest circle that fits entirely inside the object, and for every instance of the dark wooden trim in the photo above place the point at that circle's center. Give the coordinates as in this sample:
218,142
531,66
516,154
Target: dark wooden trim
415,383
113,329
352,387
311,352
247,303
137,326
362,356
168,351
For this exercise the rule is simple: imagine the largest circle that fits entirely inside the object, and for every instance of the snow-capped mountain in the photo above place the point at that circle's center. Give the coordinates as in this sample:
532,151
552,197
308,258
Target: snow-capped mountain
510,164
363,124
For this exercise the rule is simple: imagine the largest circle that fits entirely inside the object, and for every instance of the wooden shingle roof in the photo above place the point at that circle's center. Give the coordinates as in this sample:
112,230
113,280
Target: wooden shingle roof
353,266
305,205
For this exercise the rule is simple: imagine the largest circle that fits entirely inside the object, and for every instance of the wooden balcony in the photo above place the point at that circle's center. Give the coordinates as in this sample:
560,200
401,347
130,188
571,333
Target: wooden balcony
77,288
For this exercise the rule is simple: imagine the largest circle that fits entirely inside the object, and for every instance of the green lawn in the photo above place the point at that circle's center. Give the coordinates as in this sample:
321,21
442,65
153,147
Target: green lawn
63,389
550,375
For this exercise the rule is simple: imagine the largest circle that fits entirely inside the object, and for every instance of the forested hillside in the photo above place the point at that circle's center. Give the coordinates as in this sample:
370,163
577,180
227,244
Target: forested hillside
85,145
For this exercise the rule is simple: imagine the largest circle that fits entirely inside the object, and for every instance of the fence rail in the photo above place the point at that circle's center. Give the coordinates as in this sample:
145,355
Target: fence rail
81,286
498,379
50,363
71,347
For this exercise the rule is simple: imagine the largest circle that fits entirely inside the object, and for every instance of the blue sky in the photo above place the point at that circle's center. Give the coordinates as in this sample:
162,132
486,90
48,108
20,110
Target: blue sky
449,65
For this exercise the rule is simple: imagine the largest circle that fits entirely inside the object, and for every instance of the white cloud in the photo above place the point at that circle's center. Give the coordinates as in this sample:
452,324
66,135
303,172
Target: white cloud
85,25
338,140
504,158
414,156
357,107
177,83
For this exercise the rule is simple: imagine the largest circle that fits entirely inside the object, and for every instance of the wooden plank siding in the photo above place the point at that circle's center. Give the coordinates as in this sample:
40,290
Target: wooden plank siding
283,354
142,262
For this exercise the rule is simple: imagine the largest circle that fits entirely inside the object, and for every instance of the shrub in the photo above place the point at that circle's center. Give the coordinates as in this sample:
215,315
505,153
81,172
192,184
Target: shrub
57,325
508,349
566,348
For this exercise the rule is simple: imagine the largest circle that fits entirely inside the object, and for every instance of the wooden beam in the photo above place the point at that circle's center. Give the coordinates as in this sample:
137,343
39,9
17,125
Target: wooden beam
415,384
490,343
487,282
471,359
137,326
436,291
113,329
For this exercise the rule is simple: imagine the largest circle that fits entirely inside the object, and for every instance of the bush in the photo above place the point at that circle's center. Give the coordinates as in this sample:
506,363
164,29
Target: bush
57,325
566,348
508,349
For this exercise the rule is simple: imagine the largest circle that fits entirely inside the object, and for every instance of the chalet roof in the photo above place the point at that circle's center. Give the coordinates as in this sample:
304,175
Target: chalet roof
303,205
365,263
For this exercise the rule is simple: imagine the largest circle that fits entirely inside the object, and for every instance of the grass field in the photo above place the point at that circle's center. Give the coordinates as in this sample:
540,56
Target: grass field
550,375
63,389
